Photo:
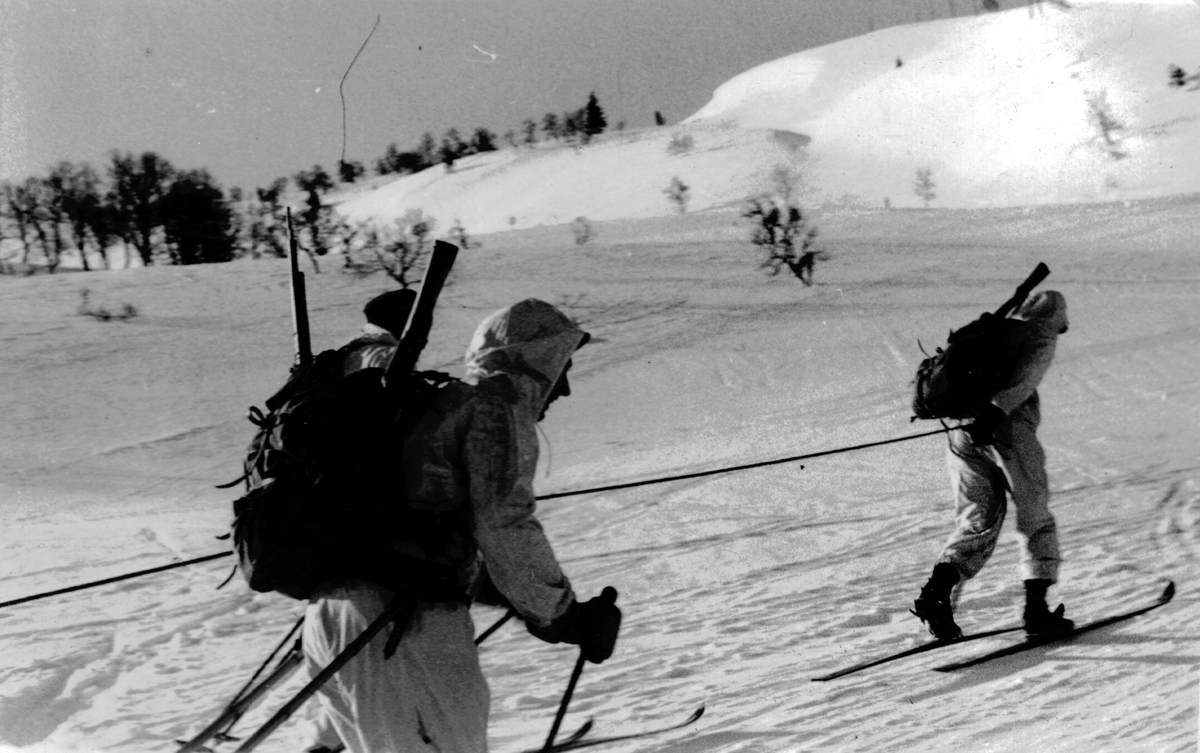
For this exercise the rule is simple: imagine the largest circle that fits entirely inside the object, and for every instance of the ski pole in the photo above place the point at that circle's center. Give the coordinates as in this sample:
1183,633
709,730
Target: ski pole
290,662
401,605
609,594
484,635
296,648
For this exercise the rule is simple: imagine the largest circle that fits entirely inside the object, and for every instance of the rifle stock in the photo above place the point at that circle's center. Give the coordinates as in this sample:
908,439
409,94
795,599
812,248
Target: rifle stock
1040,272
416,334
299,300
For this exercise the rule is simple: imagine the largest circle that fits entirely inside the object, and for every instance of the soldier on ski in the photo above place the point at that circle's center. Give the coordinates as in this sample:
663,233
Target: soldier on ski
469,465
998,454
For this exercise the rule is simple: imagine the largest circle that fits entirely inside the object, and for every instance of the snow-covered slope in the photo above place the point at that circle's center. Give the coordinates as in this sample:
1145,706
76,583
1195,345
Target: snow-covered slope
1003,108
622,175
737,589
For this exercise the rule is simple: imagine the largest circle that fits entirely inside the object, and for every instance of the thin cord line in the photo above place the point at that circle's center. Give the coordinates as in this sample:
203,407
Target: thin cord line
115,579
556,495
730,469
343,81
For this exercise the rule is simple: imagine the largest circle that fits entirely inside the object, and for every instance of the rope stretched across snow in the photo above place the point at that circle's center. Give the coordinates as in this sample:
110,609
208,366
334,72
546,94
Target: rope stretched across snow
556,495
732,468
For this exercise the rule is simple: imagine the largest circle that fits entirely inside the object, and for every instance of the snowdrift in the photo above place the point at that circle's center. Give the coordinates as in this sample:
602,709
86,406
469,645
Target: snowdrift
1022,107
1047,105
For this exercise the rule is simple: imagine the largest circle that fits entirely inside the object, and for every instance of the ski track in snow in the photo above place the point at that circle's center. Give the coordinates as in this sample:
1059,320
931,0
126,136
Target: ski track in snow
736,589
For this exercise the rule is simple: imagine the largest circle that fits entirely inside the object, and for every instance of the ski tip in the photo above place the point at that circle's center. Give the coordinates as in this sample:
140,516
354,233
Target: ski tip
1168,592
695,715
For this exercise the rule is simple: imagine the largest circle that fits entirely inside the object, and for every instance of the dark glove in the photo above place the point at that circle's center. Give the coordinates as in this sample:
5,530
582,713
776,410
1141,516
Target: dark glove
984,425
592,625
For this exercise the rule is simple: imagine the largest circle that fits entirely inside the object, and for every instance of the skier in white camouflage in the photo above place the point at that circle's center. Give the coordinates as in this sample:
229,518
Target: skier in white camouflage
999,455
469,463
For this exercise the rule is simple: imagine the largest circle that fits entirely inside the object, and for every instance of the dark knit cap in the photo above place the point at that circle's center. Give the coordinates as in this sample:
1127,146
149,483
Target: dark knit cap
390,310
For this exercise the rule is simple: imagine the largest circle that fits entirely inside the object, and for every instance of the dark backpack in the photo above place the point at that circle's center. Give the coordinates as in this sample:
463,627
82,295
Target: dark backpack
324,482
959,380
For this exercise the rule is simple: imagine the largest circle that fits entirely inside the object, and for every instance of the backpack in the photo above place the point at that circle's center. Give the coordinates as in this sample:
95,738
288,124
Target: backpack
324,480
959,380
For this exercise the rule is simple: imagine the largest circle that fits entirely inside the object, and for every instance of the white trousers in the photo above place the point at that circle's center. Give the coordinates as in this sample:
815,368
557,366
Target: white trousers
981,477
429,697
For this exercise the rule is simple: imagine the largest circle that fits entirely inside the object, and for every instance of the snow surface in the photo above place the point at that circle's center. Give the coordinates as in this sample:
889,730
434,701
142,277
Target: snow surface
995,105
737,589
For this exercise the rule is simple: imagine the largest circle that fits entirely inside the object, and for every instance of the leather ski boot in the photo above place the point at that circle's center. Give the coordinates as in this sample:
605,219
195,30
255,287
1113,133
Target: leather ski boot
933,605
1039,620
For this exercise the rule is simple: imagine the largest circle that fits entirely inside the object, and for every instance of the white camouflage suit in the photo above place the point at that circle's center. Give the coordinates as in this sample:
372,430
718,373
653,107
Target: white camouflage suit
980,475
478,447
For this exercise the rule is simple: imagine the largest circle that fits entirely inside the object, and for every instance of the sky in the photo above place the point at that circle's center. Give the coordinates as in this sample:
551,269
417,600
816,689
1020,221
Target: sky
252,91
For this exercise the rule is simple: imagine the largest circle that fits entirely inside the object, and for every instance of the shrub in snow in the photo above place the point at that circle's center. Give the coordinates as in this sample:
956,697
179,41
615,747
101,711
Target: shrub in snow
458,236
399,251
582,229
681,143
678,193
924,185
1101,115
781,230
87,308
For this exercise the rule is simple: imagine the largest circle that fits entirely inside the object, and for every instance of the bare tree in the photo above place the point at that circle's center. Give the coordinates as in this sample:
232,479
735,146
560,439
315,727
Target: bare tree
399,250
138,186
678,194
923,186
22,210
783,232
1106,123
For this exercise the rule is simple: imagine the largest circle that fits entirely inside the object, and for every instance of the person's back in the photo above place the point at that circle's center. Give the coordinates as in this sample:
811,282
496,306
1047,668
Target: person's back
468,466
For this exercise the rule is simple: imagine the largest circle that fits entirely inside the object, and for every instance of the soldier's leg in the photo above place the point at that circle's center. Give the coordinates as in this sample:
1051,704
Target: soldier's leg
429,695
1025,466
978,486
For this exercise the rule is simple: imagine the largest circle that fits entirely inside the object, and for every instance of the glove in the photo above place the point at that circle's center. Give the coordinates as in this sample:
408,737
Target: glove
592,625
595,626
984,425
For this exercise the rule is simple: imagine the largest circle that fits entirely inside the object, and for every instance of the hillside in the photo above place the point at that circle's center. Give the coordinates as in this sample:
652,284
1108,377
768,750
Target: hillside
737,589
1004,109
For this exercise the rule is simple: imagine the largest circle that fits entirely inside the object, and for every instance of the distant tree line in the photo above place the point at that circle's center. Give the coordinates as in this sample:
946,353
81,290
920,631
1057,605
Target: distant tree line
578,126
156,213
159,214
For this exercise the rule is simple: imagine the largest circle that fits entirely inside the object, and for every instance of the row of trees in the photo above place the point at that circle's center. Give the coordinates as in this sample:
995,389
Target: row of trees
577,126
156,213
148,205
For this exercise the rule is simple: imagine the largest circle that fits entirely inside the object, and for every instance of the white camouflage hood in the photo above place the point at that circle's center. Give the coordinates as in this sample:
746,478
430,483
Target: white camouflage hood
531,338
1048,309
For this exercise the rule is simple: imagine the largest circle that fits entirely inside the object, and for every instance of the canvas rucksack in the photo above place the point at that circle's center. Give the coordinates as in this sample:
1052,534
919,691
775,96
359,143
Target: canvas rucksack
324,480
959,380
